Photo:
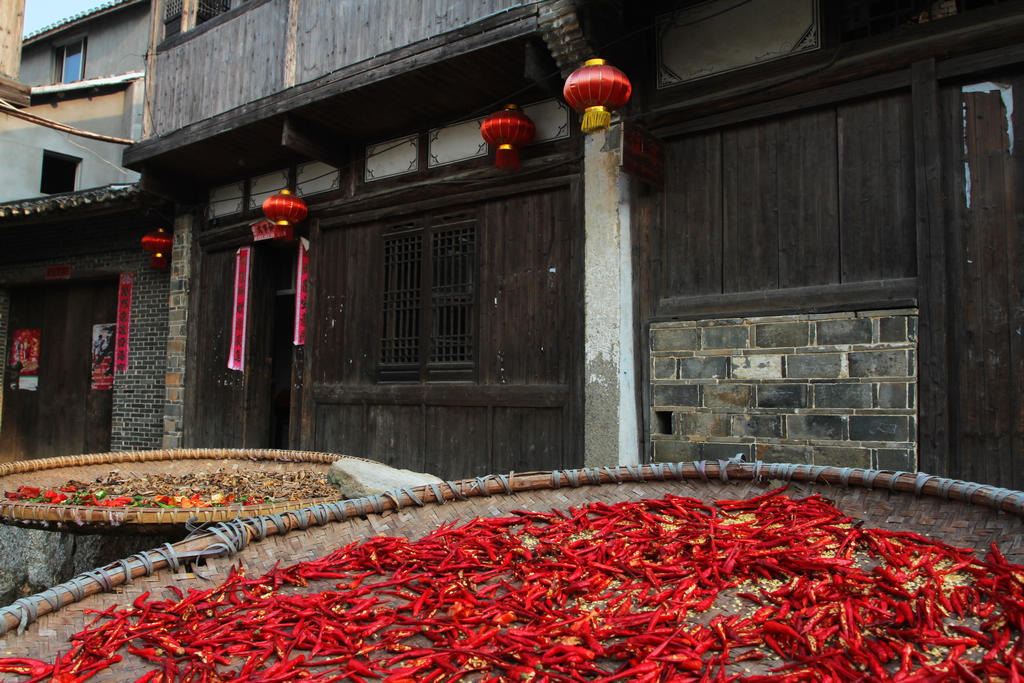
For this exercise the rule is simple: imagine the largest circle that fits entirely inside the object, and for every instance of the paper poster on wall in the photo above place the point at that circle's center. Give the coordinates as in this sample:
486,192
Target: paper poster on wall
102,356
25,358
301,280
124,319
236,354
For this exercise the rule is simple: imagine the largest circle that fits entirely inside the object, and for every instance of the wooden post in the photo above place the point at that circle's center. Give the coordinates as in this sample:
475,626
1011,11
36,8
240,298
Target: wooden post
933,353
291,43
188,15
156,34
12,20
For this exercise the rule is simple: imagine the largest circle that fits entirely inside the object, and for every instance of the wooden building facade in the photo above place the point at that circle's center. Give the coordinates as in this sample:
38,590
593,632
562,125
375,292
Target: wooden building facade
441,331
827,270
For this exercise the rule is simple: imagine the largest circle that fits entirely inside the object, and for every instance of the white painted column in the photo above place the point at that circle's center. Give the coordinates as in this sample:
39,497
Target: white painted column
611,433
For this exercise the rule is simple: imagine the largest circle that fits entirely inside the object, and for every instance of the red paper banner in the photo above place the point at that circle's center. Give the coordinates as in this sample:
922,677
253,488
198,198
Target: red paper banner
301,278
102,373
124,321
243,263
25,357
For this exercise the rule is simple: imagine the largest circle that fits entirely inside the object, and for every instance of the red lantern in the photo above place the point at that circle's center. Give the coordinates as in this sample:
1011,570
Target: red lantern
508,129
596,88
284,208
159,244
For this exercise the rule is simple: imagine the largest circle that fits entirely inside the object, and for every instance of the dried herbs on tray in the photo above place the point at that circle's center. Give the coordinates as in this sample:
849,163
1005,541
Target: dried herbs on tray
198,489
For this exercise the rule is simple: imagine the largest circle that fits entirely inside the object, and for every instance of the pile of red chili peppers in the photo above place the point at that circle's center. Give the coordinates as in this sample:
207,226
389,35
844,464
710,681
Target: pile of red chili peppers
766,589
72,495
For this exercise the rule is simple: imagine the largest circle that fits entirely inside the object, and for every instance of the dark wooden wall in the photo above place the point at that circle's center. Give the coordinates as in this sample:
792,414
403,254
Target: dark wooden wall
64,416
985,261
815,198
854,197
520,412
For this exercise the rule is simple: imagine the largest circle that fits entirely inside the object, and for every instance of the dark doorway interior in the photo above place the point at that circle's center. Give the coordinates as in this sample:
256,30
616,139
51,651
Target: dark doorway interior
282,263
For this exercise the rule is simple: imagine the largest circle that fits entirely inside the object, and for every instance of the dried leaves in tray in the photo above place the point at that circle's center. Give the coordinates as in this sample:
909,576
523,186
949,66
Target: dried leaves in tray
195,489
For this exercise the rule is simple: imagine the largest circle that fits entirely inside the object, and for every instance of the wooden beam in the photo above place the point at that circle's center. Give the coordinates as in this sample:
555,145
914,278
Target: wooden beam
876,294
933,317
307,139
14,92
873,85
523,396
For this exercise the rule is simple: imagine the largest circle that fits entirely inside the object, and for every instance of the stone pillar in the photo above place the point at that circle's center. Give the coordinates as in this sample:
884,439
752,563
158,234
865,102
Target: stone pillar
177,333
610,417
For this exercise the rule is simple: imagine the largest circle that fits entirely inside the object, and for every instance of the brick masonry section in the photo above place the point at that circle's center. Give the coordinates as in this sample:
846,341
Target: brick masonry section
174,379
834,389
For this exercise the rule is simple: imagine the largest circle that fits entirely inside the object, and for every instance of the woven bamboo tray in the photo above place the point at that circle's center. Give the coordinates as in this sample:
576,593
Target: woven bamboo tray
959,513
51,472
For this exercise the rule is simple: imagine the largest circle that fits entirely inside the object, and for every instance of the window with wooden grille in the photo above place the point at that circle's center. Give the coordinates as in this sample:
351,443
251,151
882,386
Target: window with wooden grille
429,300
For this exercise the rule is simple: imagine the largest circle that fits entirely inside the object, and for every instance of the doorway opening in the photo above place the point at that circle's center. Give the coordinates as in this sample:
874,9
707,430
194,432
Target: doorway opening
283,263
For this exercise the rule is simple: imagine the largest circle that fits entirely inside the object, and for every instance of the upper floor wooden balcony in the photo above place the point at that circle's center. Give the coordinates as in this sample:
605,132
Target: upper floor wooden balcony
233,90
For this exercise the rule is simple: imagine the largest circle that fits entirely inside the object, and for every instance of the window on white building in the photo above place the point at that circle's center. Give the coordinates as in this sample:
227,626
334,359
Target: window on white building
69,62
59,172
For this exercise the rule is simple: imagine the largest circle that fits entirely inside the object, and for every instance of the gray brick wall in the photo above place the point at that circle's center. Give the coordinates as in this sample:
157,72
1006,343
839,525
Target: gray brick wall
137,412
174,379
833,389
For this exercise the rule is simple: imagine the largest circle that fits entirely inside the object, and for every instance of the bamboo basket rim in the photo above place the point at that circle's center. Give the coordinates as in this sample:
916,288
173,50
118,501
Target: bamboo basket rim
87,518
231,537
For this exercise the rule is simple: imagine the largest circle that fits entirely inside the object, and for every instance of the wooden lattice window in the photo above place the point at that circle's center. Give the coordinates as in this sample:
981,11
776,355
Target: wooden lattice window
428,301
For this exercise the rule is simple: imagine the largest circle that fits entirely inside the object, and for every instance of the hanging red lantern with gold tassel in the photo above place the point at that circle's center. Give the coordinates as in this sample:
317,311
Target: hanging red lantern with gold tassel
284,208
596,89
507,129
158,243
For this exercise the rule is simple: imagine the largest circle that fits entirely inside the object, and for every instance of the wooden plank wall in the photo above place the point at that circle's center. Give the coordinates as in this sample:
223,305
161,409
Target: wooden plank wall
986,293
520,412
816,198
242,60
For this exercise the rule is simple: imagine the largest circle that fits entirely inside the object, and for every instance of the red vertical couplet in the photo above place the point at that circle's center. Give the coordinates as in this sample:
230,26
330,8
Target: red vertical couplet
301,279
243,265
124,321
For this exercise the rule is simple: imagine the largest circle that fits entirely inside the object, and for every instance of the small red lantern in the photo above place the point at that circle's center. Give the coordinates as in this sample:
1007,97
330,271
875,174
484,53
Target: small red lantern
508,129
159,244
596,88
284,208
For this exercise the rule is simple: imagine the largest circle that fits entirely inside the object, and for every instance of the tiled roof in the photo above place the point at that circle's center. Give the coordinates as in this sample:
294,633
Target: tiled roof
74,18
55,203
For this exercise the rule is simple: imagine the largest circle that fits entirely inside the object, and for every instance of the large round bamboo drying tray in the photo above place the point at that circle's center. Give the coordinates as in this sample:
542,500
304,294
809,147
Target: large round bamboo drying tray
51,472
959,513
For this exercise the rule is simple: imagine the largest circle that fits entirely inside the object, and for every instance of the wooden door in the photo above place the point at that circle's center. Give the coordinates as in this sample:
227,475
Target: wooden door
233,408
63,414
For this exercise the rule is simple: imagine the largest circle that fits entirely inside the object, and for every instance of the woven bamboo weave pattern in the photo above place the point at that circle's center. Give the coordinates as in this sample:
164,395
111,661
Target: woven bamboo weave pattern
957,523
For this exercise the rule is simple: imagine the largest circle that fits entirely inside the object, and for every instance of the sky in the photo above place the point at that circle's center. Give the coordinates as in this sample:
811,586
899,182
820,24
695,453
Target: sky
40,13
